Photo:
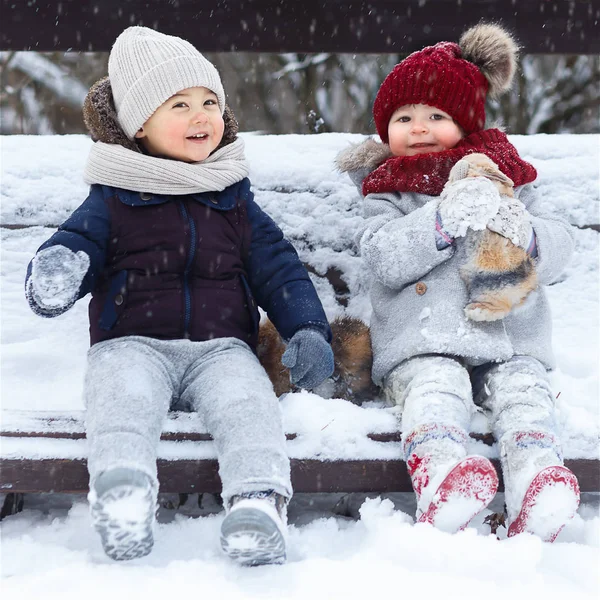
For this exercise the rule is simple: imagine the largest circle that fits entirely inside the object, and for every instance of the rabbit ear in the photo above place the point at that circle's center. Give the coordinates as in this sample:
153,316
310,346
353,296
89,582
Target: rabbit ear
501,178
459,171
483,165
494,51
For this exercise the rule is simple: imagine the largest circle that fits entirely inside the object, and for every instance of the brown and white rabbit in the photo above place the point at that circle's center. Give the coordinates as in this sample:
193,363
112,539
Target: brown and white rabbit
499,275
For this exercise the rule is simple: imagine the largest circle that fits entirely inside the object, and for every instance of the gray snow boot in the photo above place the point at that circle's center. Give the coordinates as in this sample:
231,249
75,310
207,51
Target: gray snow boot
254,530
123,509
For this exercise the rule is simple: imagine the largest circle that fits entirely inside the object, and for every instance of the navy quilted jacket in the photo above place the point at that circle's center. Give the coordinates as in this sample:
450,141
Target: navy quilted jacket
194,266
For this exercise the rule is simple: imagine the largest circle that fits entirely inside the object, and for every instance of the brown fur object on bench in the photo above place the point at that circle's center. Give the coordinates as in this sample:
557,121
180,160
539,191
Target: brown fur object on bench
353,359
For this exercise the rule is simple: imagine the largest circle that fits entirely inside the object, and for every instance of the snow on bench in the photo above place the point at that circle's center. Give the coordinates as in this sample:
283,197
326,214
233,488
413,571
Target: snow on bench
334,445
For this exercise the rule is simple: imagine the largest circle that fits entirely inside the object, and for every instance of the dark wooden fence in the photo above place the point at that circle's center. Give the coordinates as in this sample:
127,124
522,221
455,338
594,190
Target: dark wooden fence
379,26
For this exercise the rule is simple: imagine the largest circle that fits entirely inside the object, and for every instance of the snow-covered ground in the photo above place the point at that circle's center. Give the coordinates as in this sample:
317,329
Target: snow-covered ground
49,550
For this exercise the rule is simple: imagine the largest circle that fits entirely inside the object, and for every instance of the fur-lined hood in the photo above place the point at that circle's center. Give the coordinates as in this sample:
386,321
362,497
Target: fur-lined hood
100,118
365,156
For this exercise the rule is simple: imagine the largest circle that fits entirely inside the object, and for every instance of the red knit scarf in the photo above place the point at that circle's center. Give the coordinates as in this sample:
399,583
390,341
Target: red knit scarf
427,173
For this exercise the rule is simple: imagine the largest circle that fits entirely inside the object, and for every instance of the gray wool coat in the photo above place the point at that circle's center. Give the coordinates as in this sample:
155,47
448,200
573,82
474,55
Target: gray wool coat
417,294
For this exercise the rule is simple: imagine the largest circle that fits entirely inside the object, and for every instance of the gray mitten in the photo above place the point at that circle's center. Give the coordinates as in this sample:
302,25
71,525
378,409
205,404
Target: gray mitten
309,358
512,222
467,204
56,276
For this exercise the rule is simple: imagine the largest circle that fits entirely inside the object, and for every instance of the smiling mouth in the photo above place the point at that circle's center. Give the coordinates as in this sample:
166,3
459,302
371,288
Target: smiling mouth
198,136
422,145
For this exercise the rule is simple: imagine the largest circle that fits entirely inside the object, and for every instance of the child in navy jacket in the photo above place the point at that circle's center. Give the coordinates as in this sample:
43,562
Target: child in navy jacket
177,257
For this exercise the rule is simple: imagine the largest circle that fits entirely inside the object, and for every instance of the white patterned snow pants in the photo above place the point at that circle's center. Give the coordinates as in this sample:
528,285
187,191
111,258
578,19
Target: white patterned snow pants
435,394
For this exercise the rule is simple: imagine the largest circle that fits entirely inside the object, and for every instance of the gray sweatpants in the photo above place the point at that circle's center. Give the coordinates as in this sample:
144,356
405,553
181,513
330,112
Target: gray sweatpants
131,383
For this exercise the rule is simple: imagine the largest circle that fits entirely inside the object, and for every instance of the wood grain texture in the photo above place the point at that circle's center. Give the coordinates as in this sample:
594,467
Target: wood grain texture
381,26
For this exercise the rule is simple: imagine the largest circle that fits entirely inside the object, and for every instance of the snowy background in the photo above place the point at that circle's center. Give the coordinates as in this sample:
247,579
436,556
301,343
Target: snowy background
50,551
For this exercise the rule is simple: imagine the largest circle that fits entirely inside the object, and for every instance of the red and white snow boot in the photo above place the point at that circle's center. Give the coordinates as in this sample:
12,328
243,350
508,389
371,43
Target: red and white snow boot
541,494
551,500
467,489
451,487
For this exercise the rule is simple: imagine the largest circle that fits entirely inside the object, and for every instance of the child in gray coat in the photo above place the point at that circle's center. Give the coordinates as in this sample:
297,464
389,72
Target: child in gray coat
178,256
432,360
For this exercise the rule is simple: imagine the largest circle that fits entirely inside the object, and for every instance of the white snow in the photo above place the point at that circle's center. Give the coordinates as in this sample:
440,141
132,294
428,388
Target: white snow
468,204
128,508
451,512
56,556
50,550
552,504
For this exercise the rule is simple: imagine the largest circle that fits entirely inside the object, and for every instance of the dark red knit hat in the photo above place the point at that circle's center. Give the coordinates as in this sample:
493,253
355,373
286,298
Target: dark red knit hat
437,76
455,78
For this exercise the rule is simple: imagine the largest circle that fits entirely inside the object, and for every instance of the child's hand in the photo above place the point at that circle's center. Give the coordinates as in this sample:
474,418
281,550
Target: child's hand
468,204
512,222
56,276
309,358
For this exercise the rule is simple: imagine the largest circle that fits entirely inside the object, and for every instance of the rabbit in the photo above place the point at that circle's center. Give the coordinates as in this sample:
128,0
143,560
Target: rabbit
499,275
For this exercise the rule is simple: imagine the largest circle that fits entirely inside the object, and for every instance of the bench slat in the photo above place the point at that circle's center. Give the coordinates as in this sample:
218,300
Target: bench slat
273,26
187,475
193,476
178,427
195,436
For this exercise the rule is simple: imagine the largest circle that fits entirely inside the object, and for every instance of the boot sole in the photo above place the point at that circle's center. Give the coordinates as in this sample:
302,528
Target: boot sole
124,517
534,516
251,538
466,491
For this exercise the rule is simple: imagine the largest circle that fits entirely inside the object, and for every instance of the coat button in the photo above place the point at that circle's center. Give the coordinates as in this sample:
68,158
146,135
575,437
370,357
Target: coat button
420,288
119,299
145,196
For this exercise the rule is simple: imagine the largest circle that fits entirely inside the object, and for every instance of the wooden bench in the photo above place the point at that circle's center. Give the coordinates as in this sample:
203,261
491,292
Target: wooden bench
45,452
259,25
60,472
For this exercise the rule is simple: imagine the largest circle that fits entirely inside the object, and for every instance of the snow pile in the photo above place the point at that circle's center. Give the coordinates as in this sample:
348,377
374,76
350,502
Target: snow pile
56,556
50,550
319,209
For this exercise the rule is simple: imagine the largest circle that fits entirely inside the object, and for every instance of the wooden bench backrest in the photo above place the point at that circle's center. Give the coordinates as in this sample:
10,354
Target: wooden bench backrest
378,26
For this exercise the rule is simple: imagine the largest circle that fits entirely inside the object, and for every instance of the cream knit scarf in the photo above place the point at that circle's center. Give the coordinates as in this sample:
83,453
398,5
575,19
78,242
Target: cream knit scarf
113,165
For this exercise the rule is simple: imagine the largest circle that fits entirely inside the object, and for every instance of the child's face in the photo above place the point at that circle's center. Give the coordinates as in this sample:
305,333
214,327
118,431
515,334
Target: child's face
187,127
420,129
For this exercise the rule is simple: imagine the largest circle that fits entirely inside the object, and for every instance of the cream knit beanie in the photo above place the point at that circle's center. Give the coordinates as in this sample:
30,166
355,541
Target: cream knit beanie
146,68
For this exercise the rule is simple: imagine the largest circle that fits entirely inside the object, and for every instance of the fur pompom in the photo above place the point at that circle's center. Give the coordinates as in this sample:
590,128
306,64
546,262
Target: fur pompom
494,51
